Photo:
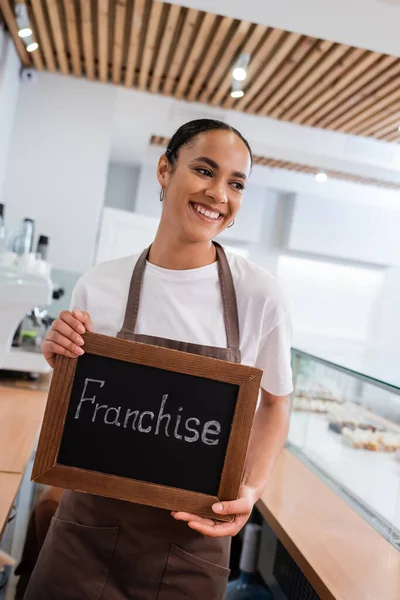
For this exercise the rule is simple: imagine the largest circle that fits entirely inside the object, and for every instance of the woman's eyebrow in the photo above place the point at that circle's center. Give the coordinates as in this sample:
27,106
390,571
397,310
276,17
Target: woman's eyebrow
214,165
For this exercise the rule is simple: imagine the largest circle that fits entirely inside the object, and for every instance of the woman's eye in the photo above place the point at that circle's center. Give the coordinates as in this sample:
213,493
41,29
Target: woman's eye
238,186
202,171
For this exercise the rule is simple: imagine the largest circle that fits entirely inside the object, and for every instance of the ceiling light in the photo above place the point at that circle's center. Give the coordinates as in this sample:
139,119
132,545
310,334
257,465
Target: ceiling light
25,32
239,72
32,47
22,19
321,177
236,89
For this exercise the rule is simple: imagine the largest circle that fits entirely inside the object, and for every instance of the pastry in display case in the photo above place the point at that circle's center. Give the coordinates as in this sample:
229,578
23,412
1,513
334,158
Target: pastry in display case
361,430
345,426
367,439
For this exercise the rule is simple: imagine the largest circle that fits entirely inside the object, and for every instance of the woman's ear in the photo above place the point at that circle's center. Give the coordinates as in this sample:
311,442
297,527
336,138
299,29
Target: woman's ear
163,171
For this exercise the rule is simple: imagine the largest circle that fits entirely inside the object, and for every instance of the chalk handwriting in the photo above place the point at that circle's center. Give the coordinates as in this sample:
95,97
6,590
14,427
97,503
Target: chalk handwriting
83,398
161,424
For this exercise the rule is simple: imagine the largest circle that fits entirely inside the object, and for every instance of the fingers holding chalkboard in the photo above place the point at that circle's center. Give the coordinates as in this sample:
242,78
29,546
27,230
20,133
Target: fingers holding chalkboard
65,334
240,509
213,528
84,319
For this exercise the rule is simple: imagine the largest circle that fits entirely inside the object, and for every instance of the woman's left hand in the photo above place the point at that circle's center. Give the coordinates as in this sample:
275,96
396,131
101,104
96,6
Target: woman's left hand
240,508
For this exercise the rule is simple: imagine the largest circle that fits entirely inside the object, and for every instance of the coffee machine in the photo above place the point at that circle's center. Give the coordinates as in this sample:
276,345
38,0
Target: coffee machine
22,292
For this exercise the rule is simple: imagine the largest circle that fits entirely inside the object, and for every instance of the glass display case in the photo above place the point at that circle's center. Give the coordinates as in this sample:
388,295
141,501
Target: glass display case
345,426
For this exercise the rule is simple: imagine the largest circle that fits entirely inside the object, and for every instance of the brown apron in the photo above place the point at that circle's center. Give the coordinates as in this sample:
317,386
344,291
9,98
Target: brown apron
101,548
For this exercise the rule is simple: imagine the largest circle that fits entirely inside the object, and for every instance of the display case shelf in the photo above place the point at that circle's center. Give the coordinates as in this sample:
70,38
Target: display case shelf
345,426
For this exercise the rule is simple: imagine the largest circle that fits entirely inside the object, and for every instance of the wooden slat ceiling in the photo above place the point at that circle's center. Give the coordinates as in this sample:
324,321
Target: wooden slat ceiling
189,54
273,163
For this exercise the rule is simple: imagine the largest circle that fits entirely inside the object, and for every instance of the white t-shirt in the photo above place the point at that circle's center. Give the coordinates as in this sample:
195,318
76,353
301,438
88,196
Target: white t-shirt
186,305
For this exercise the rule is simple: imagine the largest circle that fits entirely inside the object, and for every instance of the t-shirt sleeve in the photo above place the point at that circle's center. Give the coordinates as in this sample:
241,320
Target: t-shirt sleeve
274,354
79,296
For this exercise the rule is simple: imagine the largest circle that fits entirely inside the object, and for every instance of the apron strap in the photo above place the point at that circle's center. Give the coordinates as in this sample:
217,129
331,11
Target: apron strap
132,306
229,302
231,315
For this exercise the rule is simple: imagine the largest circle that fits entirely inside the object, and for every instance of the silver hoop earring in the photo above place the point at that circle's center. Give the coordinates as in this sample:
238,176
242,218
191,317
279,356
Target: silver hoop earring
162,194
232,224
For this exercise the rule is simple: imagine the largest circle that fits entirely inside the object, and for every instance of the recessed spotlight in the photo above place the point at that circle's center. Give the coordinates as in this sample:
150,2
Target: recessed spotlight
32,47
321,177
25,32
237,93
239,73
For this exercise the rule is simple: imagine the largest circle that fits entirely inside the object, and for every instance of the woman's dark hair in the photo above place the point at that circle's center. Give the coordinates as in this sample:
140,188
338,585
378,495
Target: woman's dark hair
188,132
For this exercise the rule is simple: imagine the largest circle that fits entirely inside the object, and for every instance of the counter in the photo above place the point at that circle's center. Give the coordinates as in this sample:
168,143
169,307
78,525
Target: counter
342,556
21,414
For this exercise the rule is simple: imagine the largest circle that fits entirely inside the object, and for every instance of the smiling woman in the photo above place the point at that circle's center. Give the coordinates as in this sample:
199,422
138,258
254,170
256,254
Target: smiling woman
208,211
200,185
184,293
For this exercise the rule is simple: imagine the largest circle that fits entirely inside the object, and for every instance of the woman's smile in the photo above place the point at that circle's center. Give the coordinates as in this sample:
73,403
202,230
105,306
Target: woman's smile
206,213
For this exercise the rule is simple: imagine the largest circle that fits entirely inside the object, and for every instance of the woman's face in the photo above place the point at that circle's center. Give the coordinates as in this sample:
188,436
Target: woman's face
204,191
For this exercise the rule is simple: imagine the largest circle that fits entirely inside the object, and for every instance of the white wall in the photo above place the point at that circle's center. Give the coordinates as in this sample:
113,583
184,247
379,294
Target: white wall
9,86
147,200
274,223
349,230
385,326
248,226
122,183
124,233
331,300
58,164
333,189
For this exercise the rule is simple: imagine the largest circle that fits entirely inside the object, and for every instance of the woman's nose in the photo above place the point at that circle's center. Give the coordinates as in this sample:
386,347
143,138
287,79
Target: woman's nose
217,191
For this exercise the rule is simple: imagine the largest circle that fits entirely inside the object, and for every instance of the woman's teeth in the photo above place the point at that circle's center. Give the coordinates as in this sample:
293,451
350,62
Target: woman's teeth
207,213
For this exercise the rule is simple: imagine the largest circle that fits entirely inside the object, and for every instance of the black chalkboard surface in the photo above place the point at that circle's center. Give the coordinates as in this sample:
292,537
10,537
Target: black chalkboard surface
146,424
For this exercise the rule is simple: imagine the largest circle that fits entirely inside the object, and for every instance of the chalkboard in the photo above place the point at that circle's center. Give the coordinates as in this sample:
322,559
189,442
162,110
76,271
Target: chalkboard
147,424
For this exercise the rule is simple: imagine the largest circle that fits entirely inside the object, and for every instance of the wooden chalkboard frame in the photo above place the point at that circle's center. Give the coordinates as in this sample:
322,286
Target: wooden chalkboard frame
46,470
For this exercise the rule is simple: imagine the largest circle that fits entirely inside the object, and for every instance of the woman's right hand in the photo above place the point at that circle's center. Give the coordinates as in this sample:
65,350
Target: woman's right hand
65,334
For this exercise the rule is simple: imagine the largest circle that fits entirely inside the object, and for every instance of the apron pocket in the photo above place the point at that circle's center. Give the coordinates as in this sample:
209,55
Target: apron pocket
188,577
74,562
